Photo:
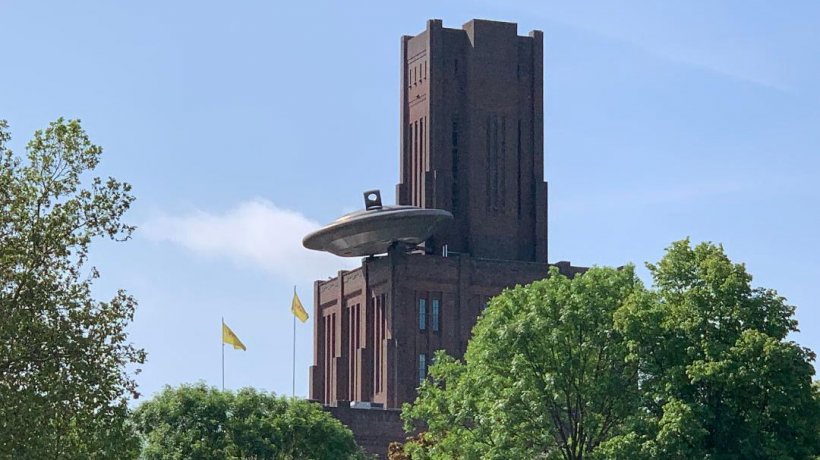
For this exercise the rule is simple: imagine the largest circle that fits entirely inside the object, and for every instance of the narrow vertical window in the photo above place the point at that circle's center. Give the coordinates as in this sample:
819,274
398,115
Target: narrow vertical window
502,166
518,151
422,314
434,314
454,190
417,159
422,162
422,368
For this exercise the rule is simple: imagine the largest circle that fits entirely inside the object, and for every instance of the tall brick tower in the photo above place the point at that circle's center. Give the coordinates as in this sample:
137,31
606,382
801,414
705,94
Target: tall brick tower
472,144
472,137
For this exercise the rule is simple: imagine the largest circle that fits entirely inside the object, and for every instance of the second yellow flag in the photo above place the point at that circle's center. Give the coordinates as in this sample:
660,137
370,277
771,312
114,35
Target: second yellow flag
297,308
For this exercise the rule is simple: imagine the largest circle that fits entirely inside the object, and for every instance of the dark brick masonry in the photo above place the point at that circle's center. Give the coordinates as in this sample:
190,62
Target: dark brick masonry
372,428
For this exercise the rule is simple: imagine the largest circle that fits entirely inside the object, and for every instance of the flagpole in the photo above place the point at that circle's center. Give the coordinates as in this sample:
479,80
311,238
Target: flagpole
223,354
293,369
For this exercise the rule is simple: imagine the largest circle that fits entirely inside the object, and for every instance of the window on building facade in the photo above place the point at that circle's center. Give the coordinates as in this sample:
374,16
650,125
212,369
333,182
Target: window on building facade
422,314
422,368
454,152
434,315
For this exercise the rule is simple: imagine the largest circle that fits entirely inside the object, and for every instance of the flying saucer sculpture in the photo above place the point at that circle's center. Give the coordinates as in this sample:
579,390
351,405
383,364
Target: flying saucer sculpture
377,228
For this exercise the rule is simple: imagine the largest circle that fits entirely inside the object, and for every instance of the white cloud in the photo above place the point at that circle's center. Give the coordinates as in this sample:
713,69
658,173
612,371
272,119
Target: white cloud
255,233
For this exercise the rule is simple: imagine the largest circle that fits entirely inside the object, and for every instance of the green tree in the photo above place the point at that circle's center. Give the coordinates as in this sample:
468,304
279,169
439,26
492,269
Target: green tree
201,422
63,354
719,377
545,374
598,367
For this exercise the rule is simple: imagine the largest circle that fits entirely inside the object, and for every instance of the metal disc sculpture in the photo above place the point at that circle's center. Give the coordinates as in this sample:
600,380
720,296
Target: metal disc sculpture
377,229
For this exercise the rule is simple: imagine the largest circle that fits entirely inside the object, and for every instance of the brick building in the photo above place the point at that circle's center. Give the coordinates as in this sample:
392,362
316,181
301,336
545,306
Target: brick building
472,144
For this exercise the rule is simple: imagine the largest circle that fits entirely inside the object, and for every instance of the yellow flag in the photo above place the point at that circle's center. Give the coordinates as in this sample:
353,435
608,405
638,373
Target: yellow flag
231,339
297,308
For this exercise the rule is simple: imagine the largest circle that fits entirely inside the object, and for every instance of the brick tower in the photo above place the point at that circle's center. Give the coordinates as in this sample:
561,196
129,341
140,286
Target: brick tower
472,137
472,144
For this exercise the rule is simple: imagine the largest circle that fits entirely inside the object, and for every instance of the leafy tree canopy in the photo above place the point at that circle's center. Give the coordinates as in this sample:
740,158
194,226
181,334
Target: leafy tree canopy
599,367
546,374
197,421
63,354
720,379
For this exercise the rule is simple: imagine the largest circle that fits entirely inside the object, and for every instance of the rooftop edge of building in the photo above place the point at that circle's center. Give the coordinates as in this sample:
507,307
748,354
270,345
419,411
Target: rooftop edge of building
565,267
475,23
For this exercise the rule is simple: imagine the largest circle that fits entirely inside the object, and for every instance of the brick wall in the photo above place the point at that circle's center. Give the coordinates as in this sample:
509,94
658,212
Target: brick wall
373,429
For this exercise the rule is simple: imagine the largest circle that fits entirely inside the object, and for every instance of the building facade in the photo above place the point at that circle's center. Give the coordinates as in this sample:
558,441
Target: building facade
472,144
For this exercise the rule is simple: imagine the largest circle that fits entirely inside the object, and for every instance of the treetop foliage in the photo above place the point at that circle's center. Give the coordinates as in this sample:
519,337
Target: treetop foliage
63,354
197,421
599,366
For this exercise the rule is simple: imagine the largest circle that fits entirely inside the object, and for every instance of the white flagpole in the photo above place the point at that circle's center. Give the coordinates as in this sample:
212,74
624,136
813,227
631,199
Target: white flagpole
223,353
293,368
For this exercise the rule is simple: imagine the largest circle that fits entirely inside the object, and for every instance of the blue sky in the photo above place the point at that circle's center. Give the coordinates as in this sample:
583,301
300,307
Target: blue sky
244,125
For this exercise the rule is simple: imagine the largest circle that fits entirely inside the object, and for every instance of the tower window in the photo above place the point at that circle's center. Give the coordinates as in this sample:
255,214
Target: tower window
422,368
434,315
454,190
422,314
